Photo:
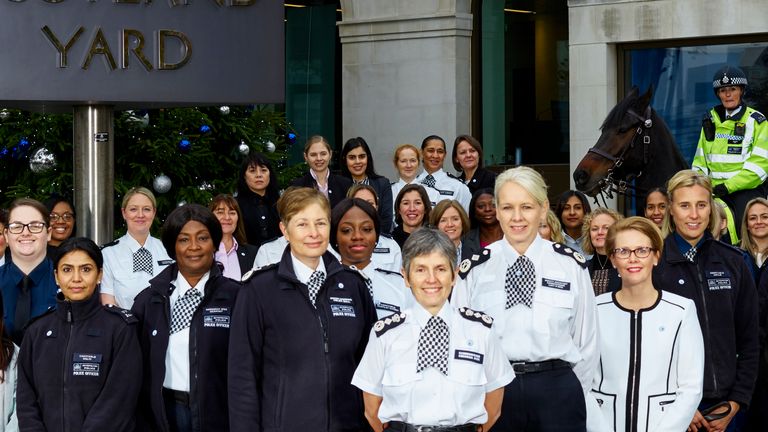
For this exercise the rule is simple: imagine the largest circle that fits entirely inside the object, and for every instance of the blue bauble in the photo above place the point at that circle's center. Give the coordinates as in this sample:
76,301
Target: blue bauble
185,145
205,129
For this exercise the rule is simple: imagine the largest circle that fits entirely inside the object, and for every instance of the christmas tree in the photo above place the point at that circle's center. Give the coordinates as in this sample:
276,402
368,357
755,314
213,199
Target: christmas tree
184,155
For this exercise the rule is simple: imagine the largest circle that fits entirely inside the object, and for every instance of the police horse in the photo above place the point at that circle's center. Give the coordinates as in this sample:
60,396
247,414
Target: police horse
634,154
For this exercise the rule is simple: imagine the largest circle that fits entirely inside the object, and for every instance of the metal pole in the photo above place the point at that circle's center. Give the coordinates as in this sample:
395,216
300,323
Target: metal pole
93,136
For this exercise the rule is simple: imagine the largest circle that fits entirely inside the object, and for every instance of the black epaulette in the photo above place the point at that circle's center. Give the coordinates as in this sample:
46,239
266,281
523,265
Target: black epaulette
565,250
389,272
480,317
469,263
758,116
454,177
384,325
47,312
387,235
252,272
112,243
125,314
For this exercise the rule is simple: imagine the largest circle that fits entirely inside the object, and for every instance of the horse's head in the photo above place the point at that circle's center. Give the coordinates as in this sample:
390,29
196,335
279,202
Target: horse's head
617,155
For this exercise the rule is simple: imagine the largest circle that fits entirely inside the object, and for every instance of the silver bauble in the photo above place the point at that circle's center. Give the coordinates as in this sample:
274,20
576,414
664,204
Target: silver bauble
4,114
162,183
42,160
244,148
138,119
270,146
224,109
181,203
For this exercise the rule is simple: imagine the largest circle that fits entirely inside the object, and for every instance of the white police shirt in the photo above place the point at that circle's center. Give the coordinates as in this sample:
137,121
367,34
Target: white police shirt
446,187
119,279
387,255
390,295
562,321
271,252
476,366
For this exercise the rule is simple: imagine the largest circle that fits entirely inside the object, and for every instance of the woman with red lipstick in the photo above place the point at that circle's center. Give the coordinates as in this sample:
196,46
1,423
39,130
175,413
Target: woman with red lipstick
656,205
412,211
468,159
651,349
356,163
596,224
234,252
571,208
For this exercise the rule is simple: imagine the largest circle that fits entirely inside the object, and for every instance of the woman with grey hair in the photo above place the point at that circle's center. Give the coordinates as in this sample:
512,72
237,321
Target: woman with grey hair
432,366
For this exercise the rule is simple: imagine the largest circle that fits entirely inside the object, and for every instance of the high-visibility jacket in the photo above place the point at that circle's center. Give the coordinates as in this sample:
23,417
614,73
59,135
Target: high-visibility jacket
733,150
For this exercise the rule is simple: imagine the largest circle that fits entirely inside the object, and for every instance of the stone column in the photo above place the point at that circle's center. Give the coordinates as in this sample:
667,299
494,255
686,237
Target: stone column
405,73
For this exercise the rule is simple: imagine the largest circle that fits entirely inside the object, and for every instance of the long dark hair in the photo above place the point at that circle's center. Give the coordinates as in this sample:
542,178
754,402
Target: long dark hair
350,145
273,188
562,200
6,347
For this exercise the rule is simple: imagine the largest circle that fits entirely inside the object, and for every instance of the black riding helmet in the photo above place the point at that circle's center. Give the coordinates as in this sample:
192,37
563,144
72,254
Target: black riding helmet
729,76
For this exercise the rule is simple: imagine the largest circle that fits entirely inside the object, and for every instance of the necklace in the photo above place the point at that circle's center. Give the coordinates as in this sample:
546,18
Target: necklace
599,261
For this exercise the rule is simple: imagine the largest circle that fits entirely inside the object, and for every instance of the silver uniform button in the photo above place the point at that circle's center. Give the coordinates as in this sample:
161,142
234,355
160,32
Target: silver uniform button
681,281
154,332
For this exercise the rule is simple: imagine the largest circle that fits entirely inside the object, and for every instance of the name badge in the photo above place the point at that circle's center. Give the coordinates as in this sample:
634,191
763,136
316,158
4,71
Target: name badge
468,356
446,192
341,300
339,310
86,364
556,284
717,284
216,317
732,150
381,250
388,307
165,262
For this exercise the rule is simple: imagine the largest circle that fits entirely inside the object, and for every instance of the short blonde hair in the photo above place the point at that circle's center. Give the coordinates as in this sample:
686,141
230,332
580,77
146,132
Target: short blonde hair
441,207
139,190
689,178
525,177
296,199
586,241
634,223
747,243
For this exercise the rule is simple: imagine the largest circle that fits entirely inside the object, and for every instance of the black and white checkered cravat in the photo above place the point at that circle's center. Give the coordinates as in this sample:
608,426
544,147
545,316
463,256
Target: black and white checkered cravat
142,261
369,284
691,254
314,284
520,283
429,180
433,346
184,308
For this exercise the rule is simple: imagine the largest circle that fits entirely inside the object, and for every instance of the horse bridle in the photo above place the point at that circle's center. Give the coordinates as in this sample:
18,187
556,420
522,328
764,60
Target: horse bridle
608,185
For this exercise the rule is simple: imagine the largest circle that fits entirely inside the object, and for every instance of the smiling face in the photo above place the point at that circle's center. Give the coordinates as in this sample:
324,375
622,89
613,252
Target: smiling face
308,232
519,214
450,224
357,162
317,157
227,217
598,230
77,275
26,245
407,164
656,207
545,231
411,210
757,221
431,280
690,210
485,210
434,155
139,214
573,214
194,250
467,156
367,196
62,222
633,270
356,238
257,179
730,96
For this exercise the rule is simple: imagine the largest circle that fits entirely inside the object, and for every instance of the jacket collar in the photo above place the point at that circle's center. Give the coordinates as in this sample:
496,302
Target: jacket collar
161,284
79,310
720,110
672,252
285,268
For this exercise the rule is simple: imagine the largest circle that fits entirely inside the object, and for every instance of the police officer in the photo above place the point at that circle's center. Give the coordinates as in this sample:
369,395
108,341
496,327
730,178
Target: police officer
540,296
717,278
439,184
298,332
733,144
386,254
432,366
184,324
80,364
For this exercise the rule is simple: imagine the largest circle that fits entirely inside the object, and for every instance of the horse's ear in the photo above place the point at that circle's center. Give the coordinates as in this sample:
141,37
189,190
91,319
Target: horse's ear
632,92
645,99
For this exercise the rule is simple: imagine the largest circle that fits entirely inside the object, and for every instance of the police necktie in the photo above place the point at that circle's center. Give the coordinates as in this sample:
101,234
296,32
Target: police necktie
184,308
23,310
520,283
433,346
369,284
691,254
314,284
429,180
142,261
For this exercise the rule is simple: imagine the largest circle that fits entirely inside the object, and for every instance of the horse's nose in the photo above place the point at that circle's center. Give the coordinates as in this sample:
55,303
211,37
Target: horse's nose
580,177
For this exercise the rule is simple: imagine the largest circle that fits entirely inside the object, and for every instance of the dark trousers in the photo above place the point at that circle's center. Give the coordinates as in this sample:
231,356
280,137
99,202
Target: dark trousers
543,401
178,413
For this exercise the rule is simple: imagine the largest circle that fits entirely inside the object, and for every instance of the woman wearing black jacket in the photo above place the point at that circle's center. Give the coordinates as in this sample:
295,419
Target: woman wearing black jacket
80,364
356,162
257,194
184,319
317,154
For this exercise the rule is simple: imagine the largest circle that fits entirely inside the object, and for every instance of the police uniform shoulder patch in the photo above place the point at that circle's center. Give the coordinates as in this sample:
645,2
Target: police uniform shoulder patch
49,311
477,316
112,243
253,272
385,271
125,314
758,116
565,250
476,259
387,235
386,324
453,176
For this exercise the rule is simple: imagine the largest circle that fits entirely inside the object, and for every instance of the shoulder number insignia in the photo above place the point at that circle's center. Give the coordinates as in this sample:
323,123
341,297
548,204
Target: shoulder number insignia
480,317
385,271
470,263
384,325
564,250
112,243
758,116
125,314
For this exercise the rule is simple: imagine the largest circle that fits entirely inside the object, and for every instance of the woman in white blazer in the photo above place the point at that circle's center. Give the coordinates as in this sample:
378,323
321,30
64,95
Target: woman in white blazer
651,367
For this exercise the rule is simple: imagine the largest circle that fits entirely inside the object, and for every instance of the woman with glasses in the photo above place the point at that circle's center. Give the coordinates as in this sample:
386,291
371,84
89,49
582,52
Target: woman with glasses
27,282
135,258
651,349
62,221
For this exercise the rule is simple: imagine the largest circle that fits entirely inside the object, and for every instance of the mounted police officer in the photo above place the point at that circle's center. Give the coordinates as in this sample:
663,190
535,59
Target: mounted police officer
733,146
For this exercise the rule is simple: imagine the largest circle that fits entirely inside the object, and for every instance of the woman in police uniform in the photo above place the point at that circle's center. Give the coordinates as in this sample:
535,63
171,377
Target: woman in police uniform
432,366
540,296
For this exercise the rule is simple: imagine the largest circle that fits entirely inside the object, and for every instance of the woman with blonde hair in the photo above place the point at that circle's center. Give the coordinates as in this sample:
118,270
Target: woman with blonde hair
754,233
449,217
604,276
550,228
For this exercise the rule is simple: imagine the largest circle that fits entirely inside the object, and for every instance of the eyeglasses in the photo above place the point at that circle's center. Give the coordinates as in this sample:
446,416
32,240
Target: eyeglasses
33,227
66,217
641,252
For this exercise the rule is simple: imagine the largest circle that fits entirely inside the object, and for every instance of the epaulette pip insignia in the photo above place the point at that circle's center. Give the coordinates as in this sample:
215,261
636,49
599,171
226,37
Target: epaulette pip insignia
480,317
125,314
471,262
252,272
759,117
384,325
565,250
110,244
390,272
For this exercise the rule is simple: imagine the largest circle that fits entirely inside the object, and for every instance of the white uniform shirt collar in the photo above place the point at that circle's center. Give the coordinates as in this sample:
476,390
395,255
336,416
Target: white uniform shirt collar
302,272
134,245
182,286
422,316
511,255
437,174
732,113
